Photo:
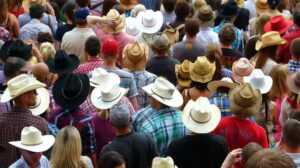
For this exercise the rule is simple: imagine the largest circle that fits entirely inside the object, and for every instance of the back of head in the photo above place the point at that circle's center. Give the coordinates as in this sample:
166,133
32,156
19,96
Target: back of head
47,50
295,49
279,73
40,71
169,5
111,159
295,114
260,22
191,27
214,53
69,9
182,9
44,37
227,35
92,46
249,150
82,3
13,66
137,9
36,11
290,135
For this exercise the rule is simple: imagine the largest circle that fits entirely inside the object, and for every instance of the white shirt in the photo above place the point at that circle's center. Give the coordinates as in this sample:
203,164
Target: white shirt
21,163
207,36
250,5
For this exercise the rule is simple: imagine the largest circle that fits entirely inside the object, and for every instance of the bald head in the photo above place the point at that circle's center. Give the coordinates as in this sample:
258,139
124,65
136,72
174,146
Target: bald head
40,71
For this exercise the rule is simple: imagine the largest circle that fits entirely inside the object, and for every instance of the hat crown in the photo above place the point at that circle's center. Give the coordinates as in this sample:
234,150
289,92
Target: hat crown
15,84
205,13
131,26
270,37
135,52
201,111
226,79
159,162
110,92
72,87
148,19
242,67
60,59
257,77
31,136
230,8
202,66
278,22
163,88
113,14
245,97
120,114
184,70
160,41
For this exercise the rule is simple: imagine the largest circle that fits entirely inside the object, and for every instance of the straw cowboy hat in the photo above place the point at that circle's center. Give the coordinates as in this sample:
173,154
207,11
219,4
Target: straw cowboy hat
62,62
206,15
19,85
261,6
224,82
135,56
202,70
120,20
279,24
26,4
165,92
32,140
182,72
269,39
259,81
240,68
100,77
293,82
244,100
200,116
132,27
159,162
128,4
149,21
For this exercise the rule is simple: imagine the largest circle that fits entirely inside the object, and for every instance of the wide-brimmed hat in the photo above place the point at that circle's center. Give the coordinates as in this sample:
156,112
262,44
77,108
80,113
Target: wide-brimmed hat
279,24
240,68
224,82
135,56
269,39
206,15
160,42
202,70
244,100
19,85
71,90
200,116
167,162
42,102
62,62
132,27
261,6
229,9
32,140
293,82
128,4
15,48
26,4
182,72
258,80
165,92
119,19
100,77
149,21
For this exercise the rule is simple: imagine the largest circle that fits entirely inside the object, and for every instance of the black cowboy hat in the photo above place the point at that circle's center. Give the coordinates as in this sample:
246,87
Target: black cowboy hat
229,9
15,49
62,62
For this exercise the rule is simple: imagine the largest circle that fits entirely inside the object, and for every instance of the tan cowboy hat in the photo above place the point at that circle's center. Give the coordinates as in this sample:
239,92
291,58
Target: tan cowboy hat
244,100
224,82
269,39
202,70
32,140
240,68
183,73
135,56
293,82
159,162
261,6
200,116
120,19
128,4
206,15
26,4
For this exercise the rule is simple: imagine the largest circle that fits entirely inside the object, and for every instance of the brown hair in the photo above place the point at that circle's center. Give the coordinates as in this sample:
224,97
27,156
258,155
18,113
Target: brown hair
249,150
227,35
214,54
263,55
3,11
260,22
191,27
290,133
279,88
294,48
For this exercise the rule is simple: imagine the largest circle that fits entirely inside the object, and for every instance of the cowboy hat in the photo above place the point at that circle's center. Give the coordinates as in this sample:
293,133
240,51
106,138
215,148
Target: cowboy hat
279,24
128,4
159,162
15,48
165,92
244,100
206,15
19,85
269,39
182,72
149,21
42,102
202,70
259,81
33,141
62,62
200,116
293,82
71,90
261,6
135,56
160,42
240,68
100,77
229,9
120,20
132,28
224,82
26,4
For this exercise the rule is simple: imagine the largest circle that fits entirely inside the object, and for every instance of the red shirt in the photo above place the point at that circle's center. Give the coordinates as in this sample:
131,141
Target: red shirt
89,66
284,54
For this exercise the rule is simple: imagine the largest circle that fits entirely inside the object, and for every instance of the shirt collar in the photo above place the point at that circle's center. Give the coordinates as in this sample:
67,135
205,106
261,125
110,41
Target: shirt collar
24,163
94,59
35,21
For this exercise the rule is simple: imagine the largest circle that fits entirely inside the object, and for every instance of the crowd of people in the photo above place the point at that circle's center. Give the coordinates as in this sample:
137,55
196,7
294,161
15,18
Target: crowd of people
149,83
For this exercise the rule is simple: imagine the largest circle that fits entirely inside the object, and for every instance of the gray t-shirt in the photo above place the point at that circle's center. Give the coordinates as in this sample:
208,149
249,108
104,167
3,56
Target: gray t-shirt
189,50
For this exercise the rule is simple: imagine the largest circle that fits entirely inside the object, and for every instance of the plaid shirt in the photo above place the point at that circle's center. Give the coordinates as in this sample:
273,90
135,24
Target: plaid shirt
238,43
90,65
11,126
222,101
80,120
293,65
4,34
163,125
142,78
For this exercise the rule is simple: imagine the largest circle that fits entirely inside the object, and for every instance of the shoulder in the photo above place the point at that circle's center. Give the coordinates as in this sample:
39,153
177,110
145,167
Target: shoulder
87,161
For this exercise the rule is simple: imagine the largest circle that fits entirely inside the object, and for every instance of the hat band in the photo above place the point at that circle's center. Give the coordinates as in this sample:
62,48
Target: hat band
200,122
115,98
153,91
38,100
73,97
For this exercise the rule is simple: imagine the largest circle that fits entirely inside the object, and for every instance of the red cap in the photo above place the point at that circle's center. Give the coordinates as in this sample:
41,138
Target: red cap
110,47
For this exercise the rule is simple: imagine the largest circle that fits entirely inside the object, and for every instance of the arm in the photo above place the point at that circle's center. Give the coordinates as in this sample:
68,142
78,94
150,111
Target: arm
97,19
15,25
233,157
133,101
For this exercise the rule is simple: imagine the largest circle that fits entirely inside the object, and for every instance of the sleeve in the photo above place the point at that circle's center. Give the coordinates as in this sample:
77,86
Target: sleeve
53,22
21,20
88,139
24,35
132,88
58,34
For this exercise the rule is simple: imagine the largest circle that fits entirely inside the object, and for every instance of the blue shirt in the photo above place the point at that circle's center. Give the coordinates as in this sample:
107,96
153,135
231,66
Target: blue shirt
151,4
221,100
21,163
32,29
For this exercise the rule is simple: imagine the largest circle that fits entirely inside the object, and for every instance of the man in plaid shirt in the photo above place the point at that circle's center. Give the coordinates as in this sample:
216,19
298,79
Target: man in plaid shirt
294,63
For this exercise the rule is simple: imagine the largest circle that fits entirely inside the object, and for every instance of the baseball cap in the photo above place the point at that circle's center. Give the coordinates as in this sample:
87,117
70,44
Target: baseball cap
120,114
110,47
273,2
81,14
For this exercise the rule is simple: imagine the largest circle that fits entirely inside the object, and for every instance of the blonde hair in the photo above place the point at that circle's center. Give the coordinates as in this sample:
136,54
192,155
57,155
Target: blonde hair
279,73
67,149
47,50
260,22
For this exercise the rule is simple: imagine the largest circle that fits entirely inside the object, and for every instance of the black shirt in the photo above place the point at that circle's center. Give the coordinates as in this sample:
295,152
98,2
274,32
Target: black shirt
61,30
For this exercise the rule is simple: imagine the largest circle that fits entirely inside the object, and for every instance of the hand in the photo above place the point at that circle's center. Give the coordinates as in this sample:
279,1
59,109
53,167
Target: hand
111,22
232,158
36,52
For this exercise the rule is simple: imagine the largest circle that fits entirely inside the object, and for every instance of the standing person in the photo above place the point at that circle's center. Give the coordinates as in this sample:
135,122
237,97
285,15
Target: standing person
151,4
111,159
294,63
169,14
22,90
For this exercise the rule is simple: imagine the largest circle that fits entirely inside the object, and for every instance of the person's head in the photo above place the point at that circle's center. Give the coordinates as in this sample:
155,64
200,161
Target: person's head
111,159
137,9
80,16
67,149
214,54
169,5
120,116
13,4
295,114
182,9
14,66
273,4
82,3
249,150
279,88
44,37
250,50
36,11
191,27
109,50
227,35
3,11
47,50
31,158
295,50
40,71
260,23
107,5
229,10
92,46
290,137
68,10
160,44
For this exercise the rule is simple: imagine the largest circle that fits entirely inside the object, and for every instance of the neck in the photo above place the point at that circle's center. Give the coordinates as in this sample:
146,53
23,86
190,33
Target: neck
82,26
109,64
225,46
296,59
291,150
69,21
190,38
123,131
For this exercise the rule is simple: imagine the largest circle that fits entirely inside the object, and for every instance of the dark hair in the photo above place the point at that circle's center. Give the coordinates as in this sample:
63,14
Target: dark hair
169,5
296,16
295,114
294,47
56,9
263,55
199,86
223,90
215,4
36,11
249,150
182,9
111,159
82,3
290,133
227,35
191,27
12,66
250,50
107,5
44,37
214,53
119,8
69,10
92,46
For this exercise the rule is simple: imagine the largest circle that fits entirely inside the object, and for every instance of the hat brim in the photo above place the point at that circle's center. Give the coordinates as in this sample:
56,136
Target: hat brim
268,27
182,82
44,102
263,89
72,63
150,30
70,103
176,101
111,77
259,45
214,85
113,30
4,52
47,142
291,83
201,128
100,104
26,5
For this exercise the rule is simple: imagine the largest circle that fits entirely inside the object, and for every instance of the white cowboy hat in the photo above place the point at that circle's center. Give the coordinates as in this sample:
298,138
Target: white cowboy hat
224,82
259,81
19,85
42,102
149,21
100,77
159,162
33,141
132,28
165,92
200,116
